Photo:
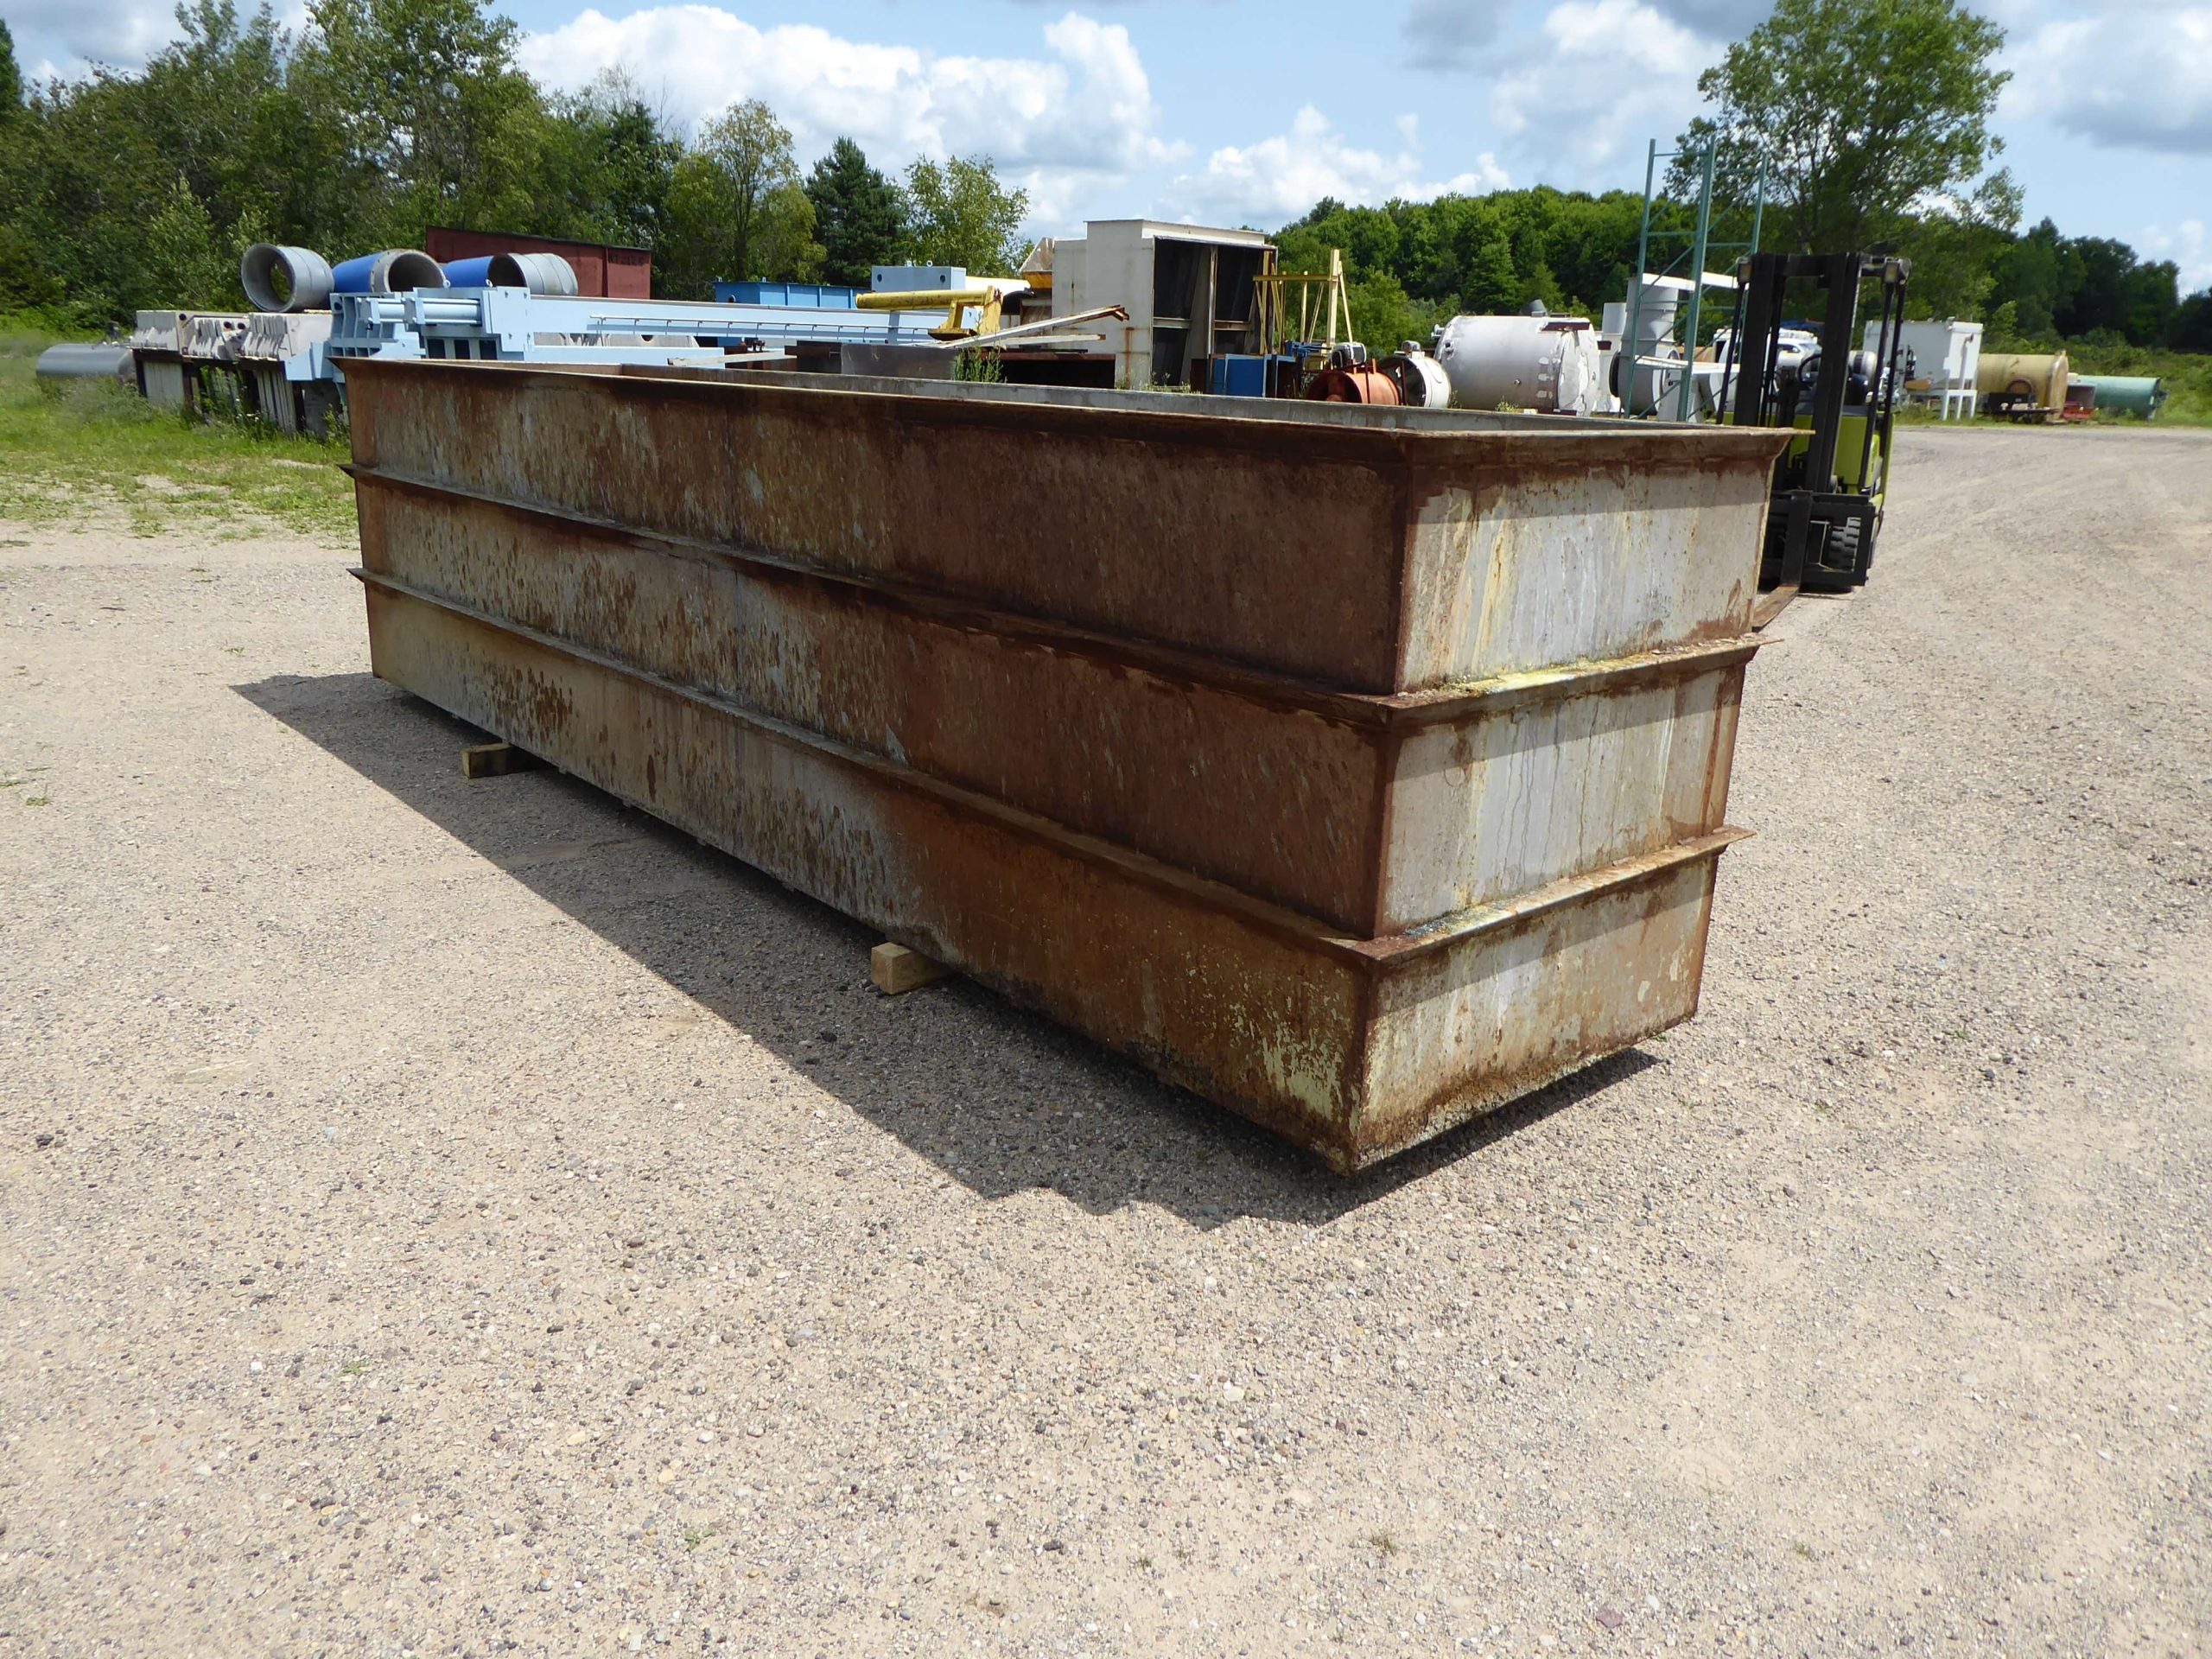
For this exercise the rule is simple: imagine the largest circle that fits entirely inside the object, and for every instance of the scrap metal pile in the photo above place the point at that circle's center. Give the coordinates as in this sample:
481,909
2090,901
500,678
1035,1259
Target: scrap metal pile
287,363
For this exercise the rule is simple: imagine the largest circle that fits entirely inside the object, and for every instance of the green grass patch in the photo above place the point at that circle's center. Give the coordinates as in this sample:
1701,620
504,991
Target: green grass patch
92,448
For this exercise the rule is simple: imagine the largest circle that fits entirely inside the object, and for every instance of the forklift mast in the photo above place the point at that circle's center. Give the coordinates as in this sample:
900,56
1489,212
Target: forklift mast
1823,518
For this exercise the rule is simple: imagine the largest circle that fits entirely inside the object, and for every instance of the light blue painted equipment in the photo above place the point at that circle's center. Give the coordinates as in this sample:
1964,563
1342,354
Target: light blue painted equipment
511,325
818,296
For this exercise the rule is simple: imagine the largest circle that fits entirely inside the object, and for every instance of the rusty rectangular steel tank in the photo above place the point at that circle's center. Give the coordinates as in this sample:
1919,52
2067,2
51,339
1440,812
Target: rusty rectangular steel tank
1359,769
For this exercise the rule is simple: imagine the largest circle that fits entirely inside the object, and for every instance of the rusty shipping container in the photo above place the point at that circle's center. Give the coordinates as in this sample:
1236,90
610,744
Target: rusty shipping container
1359,769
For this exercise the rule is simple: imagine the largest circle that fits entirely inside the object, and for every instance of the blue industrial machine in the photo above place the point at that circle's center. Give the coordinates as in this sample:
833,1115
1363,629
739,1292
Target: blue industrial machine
511,325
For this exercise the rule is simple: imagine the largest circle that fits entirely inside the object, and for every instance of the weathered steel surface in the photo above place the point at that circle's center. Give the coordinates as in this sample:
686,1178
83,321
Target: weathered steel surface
1423,816
1356,1048
1081,728
1372,558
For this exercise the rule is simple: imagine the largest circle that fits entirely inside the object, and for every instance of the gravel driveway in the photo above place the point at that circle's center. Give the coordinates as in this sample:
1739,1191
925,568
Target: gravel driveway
450,1217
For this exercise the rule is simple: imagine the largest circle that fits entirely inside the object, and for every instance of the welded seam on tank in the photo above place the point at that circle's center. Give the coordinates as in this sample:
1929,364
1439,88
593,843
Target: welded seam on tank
1462,924
1362,710
1373,955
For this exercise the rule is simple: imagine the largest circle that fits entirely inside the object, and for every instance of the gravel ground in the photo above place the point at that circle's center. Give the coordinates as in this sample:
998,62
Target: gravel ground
450,1217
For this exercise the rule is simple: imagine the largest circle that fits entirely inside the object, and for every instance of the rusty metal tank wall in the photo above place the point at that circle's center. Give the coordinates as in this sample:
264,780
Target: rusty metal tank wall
1358,876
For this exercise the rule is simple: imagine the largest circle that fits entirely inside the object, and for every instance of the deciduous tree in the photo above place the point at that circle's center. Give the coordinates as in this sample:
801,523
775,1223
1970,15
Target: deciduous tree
1862,111
736,208
958,214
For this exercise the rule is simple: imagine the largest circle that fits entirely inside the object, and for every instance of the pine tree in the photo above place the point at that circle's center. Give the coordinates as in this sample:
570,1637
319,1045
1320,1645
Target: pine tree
860,217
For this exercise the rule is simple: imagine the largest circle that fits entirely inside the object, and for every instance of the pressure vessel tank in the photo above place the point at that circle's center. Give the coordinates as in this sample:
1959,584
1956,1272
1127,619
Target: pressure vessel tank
1546,364
2041,377
2128,394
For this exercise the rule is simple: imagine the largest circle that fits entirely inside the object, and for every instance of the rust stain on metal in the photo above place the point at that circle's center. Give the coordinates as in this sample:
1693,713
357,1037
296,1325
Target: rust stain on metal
1358,824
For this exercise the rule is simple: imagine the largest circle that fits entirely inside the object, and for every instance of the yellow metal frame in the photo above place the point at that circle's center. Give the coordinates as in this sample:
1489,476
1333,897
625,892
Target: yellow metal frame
1322,299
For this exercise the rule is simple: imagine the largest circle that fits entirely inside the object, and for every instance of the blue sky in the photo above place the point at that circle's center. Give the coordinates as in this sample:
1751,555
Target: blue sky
1226,111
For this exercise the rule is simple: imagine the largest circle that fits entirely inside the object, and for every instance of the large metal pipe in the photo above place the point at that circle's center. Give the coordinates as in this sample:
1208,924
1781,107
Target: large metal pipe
917,298
283,279
74,360
1421,380
1352,385
2129,394
470,273
541,273
396,271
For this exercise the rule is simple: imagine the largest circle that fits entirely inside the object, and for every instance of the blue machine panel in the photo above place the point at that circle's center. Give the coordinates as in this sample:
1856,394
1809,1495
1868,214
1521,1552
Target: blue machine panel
811,296
1236,374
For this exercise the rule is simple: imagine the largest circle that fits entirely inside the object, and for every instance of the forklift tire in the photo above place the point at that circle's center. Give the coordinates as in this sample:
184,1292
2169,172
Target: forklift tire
1829,567
1866,553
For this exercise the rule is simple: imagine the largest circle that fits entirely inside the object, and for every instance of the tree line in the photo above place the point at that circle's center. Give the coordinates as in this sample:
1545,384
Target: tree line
1833,125
1859,124
379,118
1411,264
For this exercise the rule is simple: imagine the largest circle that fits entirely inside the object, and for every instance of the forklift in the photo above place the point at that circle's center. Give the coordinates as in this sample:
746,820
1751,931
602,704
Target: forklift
1829,486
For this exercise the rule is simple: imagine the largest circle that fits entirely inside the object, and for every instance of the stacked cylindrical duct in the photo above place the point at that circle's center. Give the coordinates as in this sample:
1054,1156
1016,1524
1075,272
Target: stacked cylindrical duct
287,279
540,273
396,271
277,278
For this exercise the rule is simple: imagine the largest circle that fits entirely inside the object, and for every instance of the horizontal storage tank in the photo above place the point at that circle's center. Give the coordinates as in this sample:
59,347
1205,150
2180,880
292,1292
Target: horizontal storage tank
100,360
2128,394
1549,365
2040,378
1359,819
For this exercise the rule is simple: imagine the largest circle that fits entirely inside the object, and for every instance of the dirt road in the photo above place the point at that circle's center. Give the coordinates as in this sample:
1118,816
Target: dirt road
459,1217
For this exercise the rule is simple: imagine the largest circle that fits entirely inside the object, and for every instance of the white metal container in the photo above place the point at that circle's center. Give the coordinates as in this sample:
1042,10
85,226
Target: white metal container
1947,355
1547,363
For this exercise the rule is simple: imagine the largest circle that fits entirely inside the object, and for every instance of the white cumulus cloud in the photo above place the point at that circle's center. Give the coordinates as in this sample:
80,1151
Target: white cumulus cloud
2135,75
1277,179
1598,78
2187,244
62,37
1064,123
1451,34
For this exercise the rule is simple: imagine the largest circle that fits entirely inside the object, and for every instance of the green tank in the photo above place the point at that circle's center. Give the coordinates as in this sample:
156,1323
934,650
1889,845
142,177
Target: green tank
2127,394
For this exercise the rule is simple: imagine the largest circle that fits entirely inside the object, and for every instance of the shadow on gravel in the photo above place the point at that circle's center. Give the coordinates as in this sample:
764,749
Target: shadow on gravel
1000,1100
